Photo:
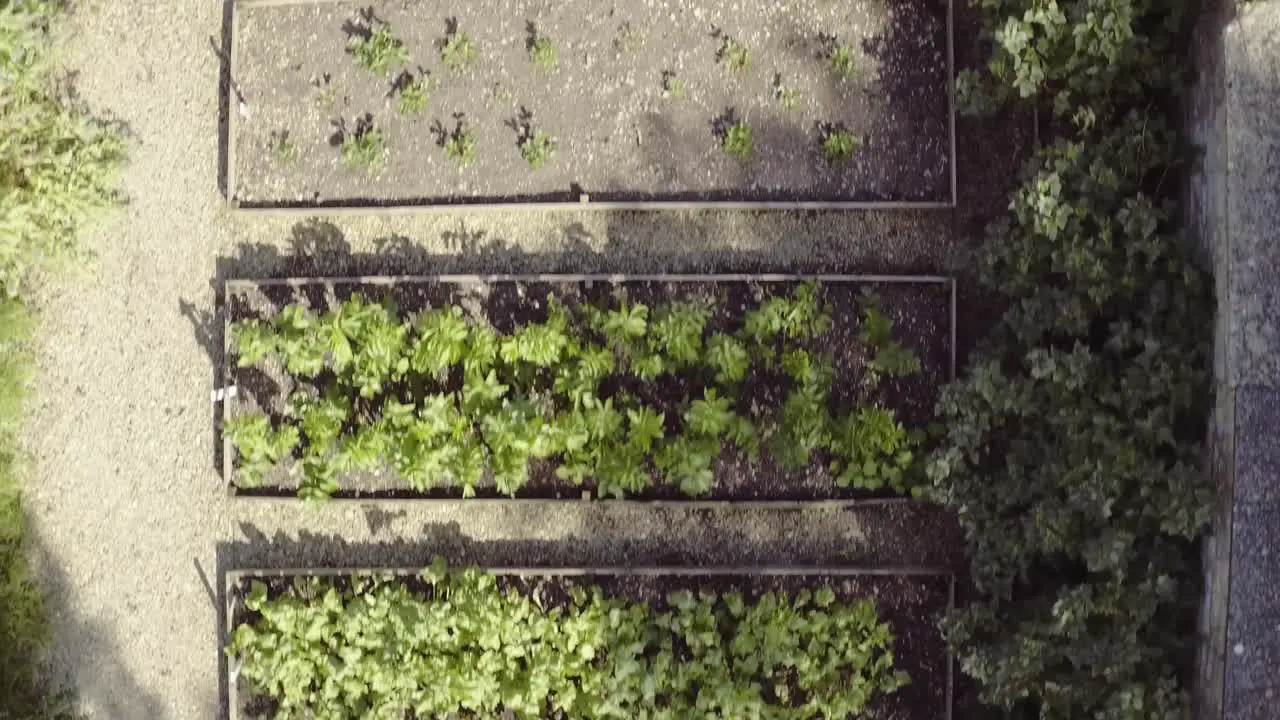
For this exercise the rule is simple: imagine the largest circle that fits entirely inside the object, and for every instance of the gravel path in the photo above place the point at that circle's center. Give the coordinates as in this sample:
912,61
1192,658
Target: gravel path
130,524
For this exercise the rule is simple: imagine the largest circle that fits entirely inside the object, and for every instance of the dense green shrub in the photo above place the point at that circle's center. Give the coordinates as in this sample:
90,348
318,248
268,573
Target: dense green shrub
1073,445
57,168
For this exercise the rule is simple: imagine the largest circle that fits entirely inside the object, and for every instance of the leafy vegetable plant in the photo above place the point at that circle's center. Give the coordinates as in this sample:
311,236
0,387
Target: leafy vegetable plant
738,141
441,399
844,62
734,55
374,647
412,93
460,145
537,148
542,51
457,51
365,148
283,147
376,48
839,145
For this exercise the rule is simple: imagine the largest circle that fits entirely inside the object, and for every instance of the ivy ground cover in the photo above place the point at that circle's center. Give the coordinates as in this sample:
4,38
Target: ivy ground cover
613,644
405,102
653,390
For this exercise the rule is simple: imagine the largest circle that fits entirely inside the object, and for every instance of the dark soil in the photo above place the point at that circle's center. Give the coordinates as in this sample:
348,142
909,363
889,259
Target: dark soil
619,134
910,605
920,313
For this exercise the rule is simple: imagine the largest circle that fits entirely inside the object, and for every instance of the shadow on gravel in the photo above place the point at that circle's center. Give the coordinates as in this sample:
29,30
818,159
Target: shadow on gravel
104,685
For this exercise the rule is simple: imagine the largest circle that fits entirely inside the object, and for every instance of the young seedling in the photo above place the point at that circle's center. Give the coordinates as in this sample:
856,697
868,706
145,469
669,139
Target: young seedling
326,91
542,50
738,141
457,52
629,39
838,146
373,45
734,55
460,144
365,147
283,147
537,149
672,86
412,92
844,62
788,97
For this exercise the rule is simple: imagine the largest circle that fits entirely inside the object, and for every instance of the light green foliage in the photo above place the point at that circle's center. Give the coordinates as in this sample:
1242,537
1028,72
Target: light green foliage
537,148
460,146
734,55
1073,452
838,146
376,49
470,647
738,141
789,98
543,53
259,446
628,39
457,51
283,148
413,94
873,451
673,86
844,62
364,149
536,393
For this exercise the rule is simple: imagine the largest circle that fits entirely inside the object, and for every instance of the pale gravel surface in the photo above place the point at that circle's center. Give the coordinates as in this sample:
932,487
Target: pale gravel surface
130,524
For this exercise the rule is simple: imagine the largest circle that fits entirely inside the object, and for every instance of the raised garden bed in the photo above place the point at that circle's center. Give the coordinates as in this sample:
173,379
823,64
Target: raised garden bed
627,104
777,389
830,635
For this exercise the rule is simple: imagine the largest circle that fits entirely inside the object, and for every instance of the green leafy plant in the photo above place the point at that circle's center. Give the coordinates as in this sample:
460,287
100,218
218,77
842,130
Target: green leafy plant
283,147
542,51
412,93
460,145
326,93
537,148
889,357
376,48
628,38
873,451
734,55
444,400
674,86
844,63
259,446
738,141
364,148
457,51
744,654
838,146
789,98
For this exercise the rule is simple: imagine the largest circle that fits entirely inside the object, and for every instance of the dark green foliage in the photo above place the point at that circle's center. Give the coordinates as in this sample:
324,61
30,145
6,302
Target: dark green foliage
1073,447
484,405
472,647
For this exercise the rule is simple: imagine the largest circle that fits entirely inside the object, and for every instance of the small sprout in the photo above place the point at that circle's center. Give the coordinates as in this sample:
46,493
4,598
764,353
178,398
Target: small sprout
542,50
537,149
283,147
459,145
365,148
628,39
734,55
788,97
326,91
844,62
672,86
838,146
457,52
376,49
412,93
738,142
